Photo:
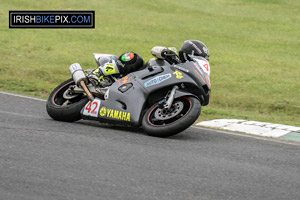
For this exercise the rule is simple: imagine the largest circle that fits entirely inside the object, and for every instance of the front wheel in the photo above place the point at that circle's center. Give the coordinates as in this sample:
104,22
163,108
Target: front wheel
63,105
183,113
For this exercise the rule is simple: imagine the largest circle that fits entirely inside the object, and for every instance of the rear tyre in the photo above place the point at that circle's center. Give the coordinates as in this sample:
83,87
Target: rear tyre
182,114
62,109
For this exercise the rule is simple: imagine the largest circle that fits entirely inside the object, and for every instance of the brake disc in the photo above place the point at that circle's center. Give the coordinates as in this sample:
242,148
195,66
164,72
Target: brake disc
163,114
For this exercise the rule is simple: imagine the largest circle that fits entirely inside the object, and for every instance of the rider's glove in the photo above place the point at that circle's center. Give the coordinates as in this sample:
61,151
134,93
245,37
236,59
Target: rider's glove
170,55
183,57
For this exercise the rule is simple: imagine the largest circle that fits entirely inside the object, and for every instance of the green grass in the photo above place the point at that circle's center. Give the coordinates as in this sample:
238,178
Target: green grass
254,45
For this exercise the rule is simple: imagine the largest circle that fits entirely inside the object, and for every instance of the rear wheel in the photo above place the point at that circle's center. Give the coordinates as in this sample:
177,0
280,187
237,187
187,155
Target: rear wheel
63,105
183,113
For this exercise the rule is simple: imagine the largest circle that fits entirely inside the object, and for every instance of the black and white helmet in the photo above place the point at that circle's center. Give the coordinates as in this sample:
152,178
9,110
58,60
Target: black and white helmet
196,48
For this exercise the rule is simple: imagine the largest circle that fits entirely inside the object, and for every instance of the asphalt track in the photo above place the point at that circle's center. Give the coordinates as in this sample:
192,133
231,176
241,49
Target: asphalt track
44,159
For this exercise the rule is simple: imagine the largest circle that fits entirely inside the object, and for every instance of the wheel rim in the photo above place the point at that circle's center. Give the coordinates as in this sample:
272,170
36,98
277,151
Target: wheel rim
159,117
68,95
60,99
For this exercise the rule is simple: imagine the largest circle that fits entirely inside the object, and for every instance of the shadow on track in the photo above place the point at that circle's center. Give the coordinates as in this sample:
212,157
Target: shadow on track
89,128
187,135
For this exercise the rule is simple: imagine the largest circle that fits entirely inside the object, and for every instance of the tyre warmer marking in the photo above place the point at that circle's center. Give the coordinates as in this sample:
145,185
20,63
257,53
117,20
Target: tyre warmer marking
174,121
58,91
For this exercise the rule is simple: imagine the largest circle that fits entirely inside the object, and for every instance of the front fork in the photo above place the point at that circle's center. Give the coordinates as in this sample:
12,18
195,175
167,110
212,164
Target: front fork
167,103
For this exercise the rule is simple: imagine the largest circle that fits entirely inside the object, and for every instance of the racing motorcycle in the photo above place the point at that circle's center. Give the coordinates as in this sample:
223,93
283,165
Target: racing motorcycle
163,98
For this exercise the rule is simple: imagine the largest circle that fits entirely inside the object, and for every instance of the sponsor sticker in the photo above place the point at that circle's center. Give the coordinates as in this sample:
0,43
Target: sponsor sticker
102,111
178,74
157,80
114,114
123,80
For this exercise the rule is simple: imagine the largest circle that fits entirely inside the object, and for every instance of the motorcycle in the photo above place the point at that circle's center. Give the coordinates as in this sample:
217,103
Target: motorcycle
163,98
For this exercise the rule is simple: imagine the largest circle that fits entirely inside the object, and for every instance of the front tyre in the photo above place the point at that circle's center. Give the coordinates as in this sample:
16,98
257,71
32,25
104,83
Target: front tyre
182,114
63,106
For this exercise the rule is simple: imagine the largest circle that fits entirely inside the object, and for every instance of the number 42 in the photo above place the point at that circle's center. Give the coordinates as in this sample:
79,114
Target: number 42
91,107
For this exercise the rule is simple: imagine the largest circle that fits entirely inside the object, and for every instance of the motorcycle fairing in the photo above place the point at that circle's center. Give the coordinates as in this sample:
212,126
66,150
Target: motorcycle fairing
128,96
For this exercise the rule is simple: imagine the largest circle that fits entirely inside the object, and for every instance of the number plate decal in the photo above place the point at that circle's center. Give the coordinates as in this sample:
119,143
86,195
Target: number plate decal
92,108
204,65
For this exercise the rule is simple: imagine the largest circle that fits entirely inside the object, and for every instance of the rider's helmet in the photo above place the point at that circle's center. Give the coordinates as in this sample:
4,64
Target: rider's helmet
130,62
194,47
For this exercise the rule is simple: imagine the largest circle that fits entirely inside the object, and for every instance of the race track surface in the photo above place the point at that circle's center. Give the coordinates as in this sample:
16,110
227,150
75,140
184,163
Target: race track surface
45,159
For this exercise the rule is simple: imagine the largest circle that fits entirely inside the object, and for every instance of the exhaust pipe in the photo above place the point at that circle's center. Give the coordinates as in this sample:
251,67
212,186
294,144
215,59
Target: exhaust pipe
80,79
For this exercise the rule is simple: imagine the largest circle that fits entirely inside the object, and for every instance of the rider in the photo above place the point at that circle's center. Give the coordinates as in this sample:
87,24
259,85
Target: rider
129,62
